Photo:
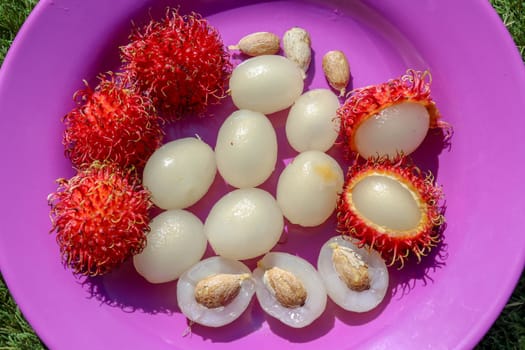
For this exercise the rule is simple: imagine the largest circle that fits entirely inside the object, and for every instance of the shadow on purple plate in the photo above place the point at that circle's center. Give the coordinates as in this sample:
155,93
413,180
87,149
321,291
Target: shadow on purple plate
124,288
414,273
250,321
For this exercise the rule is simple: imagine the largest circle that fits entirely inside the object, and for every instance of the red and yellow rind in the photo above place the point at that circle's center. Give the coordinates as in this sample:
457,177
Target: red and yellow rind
100,217
180,62
367,101
394,247
111,123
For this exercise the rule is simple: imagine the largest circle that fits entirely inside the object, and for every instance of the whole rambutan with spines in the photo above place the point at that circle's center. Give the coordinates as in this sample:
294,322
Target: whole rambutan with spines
100,217
180,62
391,206
111,123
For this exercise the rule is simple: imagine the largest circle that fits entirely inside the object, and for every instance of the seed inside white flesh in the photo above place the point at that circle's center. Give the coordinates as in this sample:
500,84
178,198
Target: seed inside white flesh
387,203
353,300
398,128
221,315
298,316
266,84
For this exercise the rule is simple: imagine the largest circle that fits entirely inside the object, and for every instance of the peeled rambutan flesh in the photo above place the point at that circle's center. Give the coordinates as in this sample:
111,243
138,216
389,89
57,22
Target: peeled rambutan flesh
390,118
180,62
111,123
100,217
391,206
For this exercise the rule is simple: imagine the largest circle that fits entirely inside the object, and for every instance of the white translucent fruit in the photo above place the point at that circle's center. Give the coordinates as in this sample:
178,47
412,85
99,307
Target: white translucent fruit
246,149
289,289
266,84
308,188
355,278
215,291
312,122
176,242
387,202
244,224
395,129
180,173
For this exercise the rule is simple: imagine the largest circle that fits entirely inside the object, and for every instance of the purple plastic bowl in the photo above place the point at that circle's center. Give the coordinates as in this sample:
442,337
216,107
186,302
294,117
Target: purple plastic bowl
448,301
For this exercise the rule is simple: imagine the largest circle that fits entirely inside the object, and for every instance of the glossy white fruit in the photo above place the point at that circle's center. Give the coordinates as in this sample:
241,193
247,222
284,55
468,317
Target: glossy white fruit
398,128
339,292
308,188
312,122
219,316
246,149
244,224
266,84
176,242
315,303
386,202
180,173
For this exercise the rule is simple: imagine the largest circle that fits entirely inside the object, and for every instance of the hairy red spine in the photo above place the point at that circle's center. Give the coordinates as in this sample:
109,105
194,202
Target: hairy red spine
111,123
394,248
180,61
367,101
100,217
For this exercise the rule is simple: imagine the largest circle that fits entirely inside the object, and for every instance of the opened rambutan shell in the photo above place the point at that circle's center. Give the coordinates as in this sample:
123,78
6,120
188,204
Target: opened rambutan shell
394,244
111,123
180,62
100,216
366,102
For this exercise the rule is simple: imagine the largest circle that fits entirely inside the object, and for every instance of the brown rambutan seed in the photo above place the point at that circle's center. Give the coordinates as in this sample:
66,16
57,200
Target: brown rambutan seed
100,216
111,123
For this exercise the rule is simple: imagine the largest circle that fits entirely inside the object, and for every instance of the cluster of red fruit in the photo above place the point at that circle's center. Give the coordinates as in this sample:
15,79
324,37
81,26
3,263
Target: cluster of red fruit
395,246
171,68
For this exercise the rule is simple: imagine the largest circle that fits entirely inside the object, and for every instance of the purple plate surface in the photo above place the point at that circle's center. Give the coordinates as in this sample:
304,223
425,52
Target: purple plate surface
448,301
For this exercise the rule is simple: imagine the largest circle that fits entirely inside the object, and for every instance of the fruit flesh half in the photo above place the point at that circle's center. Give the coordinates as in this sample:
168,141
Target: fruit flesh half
387,203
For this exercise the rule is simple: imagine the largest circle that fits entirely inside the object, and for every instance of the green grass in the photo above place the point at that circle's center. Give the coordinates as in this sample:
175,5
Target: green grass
508,332
12,15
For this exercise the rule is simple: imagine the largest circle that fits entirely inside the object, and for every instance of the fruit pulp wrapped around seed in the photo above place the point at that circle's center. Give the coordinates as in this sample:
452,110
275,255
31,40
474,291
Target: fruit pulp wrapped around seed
289,289
308,188
391,206
176,241
244,223
390,118
180,173
215,291
246,149
355,278
266,84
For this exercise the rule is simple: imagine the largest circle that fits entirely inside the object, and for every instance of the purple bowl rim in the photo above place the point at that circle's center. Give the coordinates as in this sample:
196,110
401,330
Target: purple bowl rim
484,323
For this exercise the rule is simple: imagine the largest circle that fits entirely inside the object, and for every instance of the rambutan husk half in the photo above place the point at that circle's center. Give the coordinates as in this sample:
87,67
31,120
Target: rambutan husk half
180,62
395,246
111,123
100,217
362,103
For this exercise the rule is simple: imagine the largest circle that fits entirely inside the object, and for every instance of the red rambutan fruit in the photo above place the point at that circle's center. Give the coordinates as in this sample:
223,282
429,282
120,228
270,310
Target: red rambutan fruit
389,118
100,216
391,206
180,62
111,123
